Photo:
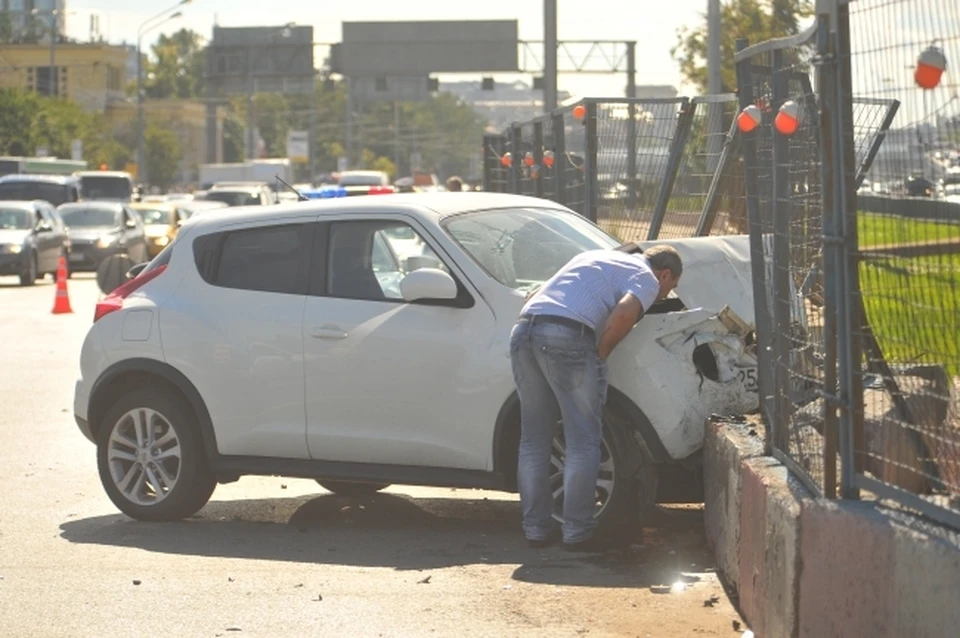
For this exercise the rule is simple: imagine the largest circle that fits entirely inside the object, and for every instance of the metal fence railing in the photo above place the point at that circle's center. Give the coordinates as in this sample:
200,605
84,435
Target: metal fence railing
906,287
853,208
639,168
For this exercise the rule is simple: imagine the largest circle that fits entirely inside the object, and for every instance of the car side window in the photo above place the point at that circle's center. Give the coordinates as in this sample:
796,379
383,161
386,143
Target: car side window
263,259
368,260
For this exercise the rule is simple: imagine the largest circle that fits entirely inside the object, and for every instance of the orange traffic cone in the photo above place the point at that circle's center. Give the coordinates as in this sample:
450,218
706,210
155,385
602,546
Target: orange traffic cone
61,303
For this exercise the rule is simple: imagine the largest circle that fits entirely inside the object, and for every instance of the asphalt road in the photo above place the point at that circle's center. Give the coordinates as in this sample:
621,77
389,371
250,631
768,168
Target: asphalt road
281,557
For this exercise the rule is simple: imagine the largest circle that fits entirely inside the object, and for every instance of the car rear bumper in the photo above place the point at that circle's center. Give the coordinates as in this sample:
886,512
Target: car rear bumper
87,257
81,401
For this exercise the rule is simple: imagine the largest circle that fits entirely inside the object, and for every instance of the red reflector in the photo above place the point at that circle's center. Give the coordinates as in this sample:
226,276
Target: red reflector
381,190
114,301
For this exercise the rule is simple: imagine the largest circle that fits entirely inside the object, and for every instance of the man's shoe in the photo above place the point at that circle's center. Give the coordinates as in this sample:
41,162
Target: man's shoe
592,545
542,543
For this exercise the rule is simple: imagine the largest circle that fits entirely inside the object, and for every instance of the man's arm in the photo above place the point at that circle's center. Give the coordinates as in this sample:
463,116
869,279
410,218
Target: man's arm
624,316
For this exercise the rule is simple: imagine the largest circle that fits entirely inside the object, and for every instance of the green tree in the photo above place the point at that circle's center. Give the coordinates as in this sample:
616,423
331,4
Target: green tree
755,20
17,109
177,67
163,154
6,28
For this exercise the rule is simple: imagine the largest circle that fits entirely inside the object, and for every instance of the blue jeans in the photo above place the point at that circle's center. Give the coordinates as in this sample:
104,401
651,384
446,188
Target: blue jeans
559,375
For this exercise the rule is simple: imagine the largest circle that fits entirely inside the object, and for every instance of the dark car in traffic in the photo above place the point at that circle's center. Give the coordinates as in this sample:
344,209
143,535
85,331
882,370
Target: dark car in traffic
33,237
55,189
99,230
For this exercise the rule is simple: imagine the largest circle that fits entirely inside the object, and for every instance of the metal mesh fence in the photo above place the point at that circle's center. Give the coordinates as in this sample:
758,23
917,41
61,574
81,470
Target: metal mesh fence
907,437
708,196
637,147
782,168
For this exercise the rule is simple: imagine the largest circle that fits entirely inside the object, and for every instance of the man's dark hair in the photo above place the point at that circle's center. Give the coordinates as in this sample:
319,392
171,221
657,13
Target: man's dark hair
454,184
664,257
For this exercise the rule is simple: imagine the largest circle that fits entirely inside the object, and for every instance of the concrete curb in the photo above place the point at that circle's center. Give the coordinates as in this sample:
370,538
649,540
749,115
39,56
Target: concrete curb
810,567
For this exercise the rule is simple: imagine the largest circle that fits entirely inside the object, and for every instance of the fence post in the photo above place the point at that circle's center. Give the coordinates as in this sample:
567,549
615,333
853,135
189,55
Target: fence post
559,159
632,154
757,260
851,316
832,252
590,163
782,213
708,215
513,183
684,123
538,157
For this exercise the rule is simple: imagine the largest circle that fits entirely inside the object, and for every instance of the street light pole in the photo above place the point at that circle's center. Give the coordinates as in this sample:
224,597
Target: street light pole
54,79
251,89
144,28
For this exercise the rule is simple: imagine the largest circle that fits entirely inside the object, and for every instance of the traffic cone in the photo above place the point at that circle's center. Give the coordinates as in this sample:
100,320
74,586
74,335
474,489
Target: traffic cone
61,303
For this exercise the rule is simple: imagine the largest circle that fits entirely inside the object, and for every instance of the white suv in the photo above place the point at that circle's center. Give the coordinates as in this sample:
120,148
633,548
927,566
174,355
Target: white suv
364,342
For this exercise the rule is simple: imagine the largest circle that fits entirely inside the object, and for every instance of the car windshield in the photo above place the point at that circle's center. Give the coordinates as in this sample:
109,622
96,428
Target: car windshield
362,179
154,215
105,187
522,248
234,198
89,217
15,219
56,194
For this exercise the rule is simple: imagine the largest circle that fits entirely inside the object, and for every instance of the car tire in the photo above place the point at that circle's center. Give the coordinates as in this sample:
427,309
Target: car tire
347,488
29,277
626,485
168,454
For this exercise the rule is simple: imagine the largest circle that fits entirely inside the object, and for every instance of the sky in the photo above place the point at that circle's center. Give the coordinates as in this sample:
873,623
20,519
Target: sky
653,29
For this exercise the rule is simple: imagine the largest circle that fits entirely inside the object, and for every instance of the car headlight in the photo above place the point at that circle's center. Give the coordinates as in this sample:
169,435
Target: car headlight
106,241
162,240
13,249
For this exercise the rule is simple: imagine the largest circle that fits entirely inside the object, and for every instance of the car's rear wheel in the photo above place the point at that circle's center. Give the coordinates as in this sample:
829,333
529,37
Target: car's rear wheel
626,484
347,488
150,457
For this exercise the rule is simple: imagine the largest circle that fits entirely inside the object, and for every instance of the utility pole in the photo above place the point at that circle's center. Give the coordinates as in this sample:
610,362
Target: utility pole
54,79
715,127
549,55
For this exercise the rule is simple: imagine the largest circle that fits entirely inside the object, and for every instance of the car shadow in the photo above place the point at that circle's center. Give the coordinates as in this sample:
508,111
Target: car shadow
14,282
403,533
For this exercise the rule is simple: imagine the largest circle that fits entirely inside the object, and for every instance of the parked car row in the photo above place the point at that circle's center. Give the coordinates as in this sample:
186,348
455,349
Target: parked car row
34,234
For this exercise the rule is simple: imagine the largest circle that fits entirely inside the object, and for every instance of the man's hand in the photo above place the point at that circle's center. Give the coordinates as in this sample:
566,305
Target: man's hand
624,316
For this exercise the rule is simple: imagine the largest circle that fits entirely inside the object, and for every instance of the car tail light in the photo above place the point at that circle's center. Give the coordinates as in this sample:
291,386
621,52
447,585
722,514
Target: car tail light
114,301
381,190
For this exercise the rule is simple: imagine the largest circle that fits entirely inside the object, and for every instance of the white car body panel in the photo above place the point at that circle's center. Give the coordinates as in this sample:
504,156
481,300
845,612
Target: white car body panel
307,377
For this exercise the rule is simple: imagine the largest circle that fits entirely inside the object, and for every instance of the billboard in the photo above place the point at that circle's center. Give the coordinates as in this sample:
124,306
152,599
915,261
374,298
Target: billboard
260,59
298,146
422,48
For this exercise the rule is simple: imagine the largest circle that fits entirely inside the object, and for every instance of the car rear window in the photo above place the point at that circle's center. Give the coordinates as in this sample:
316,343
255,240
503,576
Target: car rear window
262,259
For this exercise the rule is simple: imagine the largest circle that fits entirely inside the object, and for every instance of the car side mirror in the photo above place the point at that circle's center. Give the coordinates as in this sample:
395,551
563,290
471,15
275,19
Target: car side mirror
44,227
428,283
130,224
417,262
136,270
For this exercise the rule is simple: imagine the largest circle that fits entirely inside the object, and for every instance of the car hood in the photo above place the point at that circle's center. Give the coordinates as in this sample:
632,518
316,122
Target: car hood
13,236
90,234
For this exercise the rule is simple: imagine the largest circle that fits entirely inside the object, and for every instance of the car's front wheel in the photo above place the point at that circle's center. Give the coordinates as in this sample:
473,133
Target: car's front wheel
150,457
346,488
626,484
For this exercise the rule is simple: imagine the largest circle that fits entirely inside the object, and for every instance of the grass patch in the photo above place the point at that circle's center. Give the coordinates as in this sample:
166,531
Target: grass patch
878,230
913,306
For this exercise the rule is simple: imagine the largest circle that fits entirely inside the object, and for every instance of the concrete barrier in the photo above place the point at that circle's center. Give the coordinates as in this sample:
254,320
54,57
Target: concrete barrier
815,568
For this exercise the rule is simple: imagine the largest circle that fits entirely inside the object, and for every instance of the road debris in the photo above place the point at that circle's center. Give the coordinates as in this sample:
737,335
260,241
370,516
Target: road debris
425,581
736,625
136,582
710,602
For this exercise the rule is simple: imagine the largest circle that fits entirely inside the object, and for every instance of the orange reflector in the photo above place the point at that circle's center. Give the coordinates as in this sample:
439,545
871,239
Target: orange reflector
506,159
788,118
548,159
930,67
749,119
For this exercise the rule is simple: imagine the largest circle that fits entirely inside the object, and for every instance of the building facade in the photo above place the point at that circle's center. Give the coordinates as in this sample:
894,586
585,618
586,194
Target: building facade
93,75
32,20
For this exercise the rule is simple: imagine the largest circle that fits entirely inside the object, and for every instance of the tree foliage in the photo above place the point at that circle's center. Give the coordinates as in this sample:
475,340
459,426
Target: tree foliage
755,20
177,67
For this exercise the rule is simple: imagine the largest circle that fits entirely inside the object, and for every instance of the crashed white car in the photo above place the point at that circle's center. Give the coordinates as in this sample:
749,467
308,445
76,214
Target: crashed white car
296,341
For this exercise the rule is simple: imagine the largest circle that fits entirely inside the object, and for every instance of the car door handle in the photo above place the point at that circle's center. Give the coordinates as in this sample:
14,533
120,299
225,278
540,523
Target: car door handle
328,332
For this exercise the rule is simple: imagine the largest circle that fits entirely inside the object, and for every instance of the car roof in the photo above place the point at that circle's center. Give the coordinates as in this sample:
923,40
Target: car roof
25,204
38,177
104,174
429,207
116,206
